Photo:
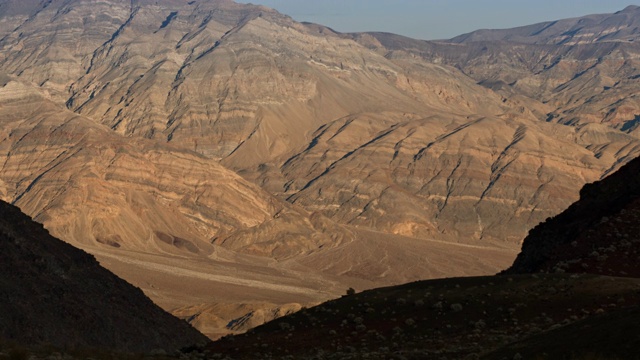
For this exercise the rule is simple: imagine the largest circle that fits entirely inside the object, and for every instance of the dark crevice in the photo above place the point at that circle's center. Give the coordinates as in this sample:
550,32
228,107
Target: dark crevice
168,20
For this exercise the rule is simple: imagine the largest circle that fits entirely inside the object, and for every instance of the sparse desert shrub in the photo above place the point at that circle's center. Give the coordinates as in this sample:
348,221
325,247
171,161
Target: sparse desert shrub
351,291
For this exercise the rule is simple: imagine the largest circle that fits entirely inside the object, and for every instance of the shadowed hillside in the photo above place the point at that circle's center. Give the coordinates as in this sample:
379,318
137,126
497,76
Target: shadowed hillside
55,294
597,234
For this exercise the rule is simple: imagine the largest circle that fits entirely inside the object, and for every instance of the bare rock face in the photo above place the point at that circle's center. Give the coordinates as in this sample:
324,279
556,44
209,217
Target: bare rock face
55,294
444,177
576,71
92,187
288,234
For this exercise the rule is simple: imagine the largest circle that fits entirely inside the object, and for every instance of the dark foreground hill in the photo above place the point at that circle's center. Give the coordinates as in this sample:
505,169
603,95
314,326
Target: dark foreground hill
52,293
501,317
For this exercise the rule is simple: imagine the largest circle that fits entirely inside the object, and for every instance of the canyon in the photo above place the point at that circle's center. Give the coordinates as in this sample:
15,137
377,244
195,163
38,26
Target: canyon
230,161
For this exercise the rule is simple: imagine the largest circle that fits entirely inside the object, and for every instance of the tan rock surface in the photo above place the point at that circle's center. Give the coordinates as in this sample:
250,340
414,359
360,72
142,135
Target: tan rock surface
233,318
254,88
448,177
581,70
230,285
91,186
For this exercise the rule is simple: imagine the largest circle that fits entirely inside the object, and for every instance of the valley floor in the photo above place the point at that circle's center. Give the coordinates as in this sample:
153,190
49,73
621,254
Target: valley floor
214,291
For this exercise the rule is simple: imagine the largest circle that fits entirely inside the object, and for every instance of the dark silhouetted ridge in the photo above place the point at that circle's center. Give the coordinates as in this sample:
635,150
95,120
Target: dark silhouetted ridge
53,293
597,234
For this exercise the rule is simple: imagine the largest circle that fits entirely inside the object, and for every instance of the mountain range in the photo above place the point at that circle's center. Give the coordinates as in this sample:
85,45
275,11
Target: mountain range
224,156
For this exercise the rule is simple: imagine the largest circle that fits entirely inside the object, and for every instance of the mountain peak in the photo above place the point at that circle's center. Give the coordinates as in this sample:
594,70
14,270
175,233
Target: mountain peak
630,8
618,27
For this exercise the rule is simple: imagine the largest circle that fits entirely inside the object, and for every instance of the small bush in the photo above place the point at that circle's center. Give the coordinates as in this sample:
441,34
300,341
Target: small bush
351,291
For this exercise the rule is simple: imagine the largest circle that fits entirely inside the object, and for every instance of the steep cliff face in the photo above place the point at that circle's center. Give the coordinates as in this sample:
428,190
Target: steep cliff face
55,294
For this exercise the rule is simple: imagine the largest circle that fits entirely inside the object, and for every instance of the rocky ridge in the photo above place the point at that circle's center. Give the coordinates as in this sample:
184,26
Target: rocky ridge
589,76
598,233
621,26
92,187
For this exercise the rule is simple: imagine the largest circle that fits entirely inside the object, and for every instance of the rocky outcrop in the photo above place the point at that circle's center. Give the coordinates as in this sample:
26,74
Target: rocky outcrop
55,294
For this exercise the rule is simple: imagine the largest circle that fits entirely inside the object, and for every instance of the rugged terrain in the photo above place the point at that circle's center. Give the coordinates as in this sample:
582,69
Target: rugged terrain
542,307
222,155
366,138
127,202
572,293
575,72
55,294
485,317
